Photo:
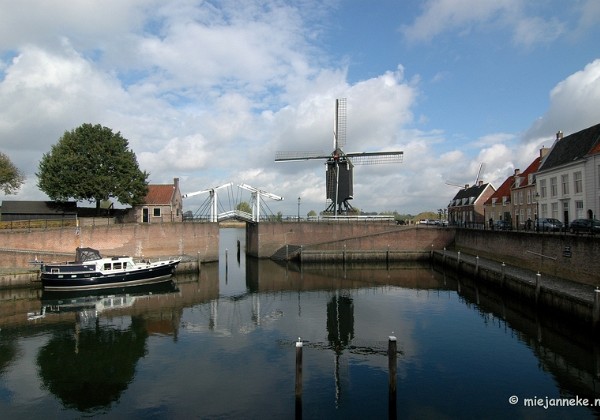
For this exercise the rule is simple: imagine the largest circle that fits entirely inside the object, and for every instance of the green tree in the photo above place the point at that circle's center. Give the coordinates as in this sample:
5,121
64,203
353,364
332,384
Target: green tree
311,213
11,178
92,163
244,206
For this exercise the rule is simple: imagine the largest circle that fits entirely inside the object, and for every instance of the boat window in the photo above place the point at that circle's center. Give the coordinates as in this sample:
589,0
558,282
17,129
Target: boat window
124,265
107,266
117,266
54,270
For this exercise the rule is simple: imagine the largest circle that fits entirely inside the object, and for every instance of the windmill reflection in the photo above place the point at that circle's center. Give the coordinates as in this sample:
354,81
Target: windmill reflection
340,331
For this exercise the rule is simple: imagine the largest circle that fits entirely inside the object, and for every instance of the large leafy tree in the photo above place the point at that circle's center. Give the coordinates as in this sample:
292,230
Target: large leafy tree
11,178
92,163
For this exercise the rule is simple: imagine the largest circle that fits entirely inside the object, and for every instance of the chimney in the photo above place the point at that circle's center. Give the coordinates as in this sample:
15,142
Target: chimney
544,152
517,172
480,182
559,135
175,183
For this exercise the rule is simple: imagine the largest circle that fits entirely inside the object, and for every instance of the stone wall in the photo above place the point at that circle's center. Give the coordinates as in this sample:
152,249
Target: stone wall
264,239
573,257
200,240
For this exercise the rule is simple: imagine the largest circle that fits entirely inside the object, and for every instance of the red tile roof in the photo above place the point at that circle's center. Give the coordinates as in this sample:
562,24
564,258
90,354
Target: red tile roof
531,169
502,191
160,194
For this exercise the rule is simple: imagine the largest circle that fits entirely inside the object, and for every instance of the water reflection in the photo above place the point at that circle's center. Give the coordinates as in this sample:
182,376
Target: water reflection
89,364
221,344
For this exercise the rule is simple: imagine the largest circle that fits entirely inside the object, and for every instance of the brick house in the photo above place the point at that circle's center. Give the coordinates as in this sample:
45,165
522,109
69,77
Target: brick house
498,206
163,203
466,208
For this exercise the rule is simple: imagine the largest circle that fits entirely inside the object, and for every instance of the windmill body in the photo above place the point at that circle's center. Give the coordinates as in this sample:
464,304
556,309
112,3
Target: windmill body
339,177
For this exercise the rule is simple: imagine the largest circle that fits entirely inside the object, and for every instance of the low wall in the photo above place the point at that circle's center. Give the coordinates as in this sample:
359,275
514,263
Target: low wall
572,257
533,290
197,240
265,239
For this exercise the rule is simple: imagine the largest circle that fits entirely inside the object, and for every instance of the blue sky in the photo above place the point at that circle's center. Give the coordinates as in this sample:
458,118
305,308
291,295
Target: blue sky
208,91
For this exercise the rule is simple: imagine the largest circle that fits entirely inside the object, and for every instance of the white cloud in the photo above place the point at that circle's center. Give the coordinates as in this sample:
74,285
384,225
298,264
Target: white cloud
573,106
466,17
440,16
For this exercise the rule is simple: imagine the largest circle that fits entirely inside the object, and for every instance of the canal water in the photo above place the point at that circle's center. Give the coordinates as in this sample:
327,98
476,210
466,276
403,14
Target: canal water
222,344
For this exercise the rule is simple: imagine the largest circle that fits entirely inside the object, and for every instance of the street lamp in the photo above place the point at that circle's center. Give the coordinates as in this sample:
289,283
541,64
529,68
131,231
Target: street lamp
298,209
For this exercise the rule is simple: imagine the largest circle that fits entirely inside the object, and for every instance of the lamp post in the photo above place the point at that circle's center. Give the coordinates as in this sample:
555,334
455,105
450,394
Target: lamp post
298,209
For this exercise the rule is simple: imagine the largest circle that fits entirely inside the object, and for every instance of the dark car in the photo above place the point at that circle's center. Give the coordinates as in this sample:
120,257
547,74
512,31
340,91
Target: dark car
547,224
585,225
502,225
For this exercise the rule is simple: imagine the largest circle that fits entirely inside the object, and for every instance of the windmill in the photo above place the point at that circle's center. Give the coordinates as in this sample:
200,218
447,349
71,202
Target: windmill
340,165
477,179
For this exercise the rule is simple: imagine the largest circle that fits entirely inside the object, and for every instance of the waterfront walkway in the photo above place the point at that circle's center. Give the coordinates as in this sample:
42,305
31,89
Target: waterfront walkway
558,286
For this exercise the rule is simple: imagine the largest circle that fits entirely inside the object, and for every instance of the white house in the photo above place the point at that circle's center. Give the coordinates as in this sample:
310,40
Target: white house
568,179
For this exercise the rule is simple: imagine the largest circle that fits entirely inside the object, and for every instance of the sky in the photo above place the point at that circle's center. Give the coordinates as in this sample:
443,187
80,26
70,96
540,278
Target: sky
209,91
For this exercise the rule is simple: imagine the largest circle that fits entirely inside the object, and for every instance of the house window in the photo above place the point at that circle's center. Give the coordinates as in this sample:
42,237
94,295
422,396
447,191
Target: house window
544,210
578,183
528,196
579,210
554,210
543,188
565,184
156,212
504,200
494,202
553,187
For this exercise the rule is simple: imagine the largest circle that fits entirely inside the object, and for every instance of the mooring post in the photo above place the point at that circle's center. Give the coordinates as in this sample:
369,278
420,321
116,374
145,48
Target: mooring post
476,265
387,257
198,262
458,260
392,363
596,311
444,256
538,286
344,255
299,378
503,277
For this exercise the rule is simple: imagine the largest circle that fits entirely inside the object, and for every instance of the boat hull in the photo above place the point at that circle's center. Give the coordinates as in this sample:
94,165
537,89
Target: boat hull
93,280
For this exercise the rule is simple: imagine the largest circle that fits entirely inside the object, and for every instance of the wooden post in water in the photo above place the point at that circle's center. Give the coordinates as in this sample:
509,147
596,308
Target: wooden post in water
476,265
503,278
387,257
538,286
392,363
458,261
299,378
596,309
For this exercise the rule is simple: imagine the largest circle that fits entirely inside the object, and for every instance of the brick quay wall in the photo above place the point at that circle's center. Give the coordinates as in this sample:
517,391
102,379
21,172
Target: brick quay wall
200,241
572,257
265,239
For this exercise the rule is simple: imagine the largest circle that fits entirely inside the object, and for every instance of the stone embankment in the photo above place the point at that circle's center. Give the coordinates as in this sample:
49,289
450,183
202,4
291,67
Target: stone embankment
577,300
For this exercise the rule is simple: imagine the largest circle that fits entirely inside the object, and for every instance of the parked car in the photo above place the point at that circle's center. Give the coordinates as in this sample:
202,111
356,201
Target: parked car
548,224
585,225
502,225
